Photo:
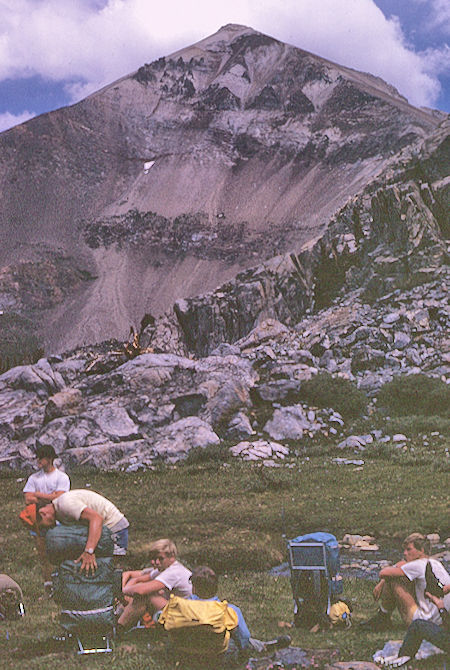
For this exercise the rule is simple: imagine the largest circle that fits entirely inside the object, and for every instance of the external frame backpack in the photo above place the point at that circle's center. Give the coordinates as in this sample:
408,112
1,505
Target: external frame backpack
198,627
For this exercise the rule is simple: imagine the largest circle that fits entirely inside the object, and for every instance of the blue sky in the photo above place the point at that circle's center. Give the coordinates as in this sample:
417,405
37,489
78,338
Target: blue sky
55,52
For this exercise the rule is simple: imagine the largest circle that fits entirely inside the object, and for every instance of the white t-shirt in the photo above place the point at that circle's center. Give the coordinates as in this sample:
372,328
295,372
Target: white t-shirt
70,505
176,579
415,571
47,482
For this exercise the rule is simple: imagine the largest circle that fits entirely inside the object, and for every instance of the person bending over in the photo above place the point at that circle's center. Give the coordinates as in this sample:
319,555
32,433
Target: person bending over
403,585
95,510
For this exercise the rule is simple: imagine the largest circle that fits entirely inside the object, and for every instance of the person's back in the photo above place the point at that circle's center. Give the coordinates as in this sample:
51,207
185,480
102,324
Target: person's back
69,506
224,638
199,628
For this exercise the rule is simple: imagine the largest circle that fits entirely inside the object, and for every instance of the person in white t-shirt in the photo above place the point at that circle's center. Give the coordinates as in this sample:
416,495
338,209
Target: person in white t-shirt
403,586
49,482
42,487
148,590
96,510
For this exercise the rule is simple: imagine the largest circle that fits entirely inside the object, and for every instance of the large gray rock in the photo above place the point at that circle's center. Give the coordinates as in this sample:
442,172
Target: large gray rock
287,423
39,378
63,403
239,426
176,440
116,423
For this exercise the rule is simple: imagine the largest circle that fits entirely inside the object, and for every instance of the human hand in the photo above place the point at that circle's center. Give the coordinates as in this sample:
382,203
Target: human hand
435,599
378,590
88,562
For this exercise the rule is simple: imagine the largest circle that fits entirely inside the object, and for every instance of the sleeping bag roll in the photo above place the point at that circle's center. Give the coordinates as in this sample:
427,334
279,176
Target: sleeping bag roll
86,600
67,542
74,589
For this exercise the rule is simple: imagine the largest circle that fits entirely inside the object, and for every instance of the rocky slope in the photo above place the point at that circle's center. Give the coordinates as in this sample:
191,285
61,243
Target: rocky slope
176,178
367,301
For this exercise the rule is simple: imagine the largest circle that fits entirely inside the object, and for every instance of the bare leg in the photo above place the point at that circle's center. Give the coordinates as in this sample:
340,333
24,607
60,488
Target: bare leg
138,605
133,611
399,593
157,602
43,558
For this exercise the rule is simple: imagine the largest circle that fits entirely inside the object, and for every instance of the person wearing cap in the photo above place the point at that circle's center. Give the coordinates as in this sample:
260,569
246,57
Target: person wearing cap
42,487
94,509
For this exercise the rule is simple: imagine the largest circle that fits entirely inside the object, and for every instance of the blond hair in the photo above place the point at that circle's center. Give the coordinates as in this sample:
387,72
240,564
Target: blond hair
163,546
419,541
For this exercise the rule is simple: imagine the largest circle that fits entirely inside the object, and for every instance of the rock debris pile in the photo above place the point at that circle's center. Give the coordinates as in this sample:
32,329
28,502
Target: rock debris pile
100,410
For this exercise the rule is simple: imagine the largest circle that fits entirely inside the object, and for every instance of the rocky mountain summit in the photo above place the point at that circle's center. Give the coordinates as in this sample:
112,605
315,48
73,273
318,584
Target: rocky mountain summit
178,177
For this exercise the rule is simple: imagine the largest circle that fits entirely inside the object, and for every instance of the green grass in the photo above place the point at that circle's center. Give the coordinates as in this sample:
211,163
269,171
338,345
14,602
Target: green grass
415,395
229,516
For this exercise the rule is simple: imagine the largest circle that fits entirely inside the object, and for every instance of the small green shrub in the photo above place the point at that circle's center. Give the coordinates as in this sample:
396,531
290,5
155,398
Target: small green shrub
415,395
324,390
19,344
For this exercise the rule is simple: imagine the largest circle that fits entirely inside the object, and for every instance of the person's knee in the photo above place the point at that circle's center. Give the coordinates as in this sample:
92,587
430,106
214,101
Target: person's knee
416,626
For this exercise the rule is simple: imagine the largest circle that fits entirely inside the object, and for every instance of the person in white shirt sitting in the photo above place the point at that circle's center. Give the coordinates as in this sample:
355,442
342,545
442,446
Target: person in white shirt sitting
403,586
148,590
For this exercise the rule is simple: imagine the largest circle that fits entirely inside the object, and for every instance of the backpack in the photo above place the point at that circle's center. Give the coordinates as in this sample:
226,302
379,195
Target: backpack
11,597
315,590
86,600
67,542
333,559
198,627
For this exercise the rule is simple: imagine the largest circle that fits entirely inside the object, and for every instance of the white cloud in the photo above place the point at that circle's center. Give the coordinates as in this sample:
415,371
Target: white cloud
8,120
440,15
437,61
92,43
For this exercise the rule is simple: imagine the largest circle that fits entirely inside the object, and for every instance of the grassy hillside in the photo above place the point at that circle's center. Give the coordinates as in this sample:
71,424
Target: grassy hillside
230,517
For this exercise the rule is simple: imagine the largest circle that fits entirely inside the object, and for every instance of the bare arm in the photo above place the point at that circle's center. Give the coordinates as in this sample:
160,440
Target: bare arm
134,576
392,571
143,588
38,496
95,521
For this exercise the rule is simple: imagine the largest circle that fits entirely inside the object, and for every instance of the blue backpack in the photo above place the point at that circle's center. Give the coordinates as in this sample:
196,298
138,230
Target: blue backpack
332,558
315,576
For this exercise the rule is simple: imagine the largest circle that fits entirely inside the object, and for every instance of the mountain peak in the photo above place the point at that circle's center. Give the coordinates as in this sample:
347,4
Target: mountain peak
168,182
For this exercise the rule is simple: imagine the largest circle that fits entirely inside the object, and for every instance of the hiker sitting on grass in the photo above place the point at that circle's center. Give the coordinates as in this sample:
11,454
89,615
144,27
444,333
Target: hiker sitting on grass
403,586
421,630
204,587
149,589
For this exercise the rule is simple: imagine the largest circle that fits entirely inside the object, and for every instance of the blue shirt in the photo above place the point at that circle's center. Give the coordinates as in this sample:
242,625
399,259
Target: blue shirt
240,634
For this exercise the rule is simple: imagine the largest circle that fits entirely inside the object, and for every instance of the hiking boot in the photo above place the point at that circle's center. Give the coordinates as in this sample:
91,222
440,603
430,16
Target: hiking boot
280,642
391,662
381,621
